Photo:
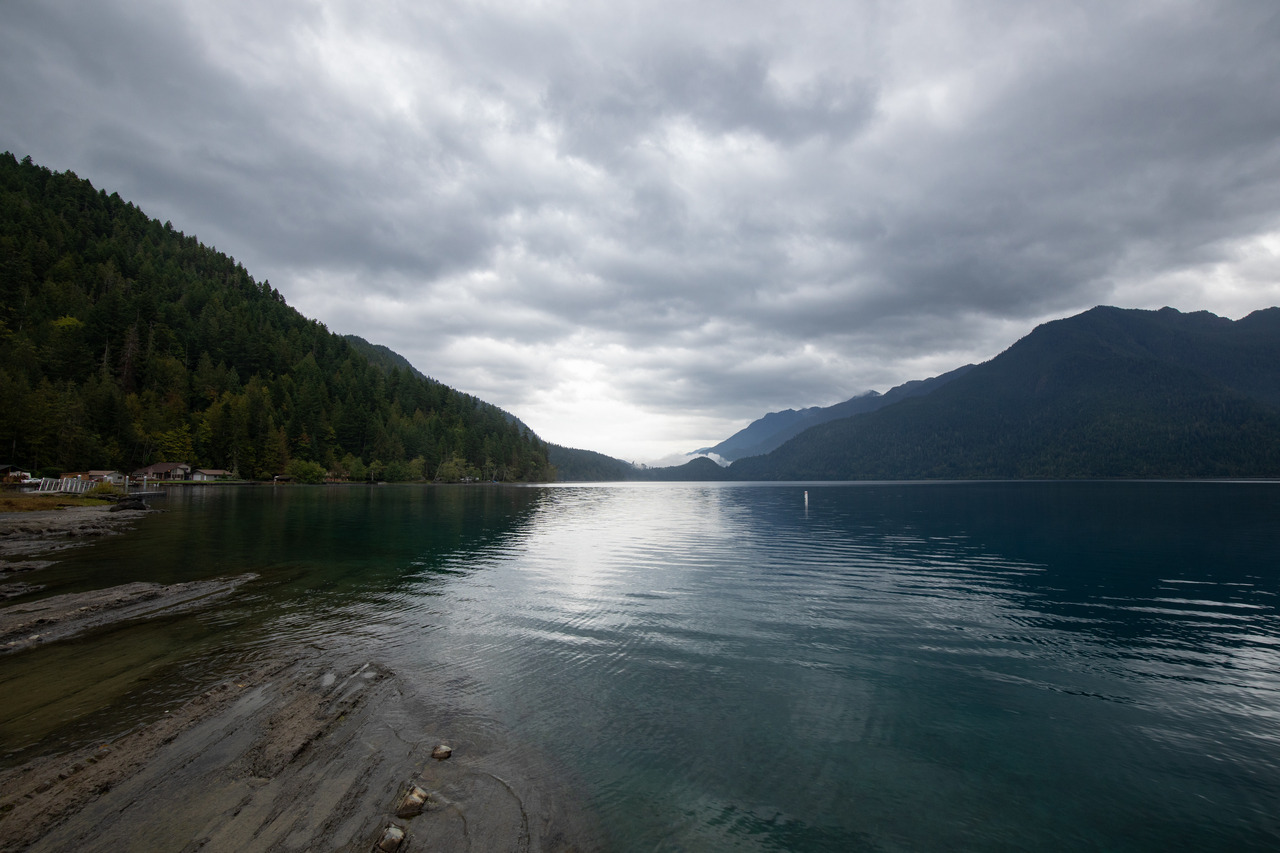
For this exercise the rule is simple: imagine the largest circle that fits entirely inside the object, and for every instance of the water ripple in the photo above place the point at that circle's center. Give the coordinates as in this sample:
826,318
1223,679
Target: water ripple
925,667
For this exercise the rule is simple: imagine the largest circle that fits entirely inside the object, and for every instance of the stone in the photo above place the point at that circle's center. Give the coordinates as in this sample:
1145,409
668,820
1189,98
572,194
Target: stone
392,838
415,800
441,752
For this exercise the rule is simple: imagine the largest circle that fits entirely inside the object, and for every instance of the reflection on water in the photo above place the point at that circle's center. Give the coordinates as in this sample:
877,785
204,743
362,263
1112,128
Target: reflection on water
878,667
323,556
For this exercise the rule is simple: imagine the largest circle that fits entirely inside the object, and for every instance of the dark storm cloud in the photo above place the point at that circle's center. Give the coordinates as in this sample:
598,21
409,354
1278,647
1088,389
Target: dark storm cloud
681,215
291,179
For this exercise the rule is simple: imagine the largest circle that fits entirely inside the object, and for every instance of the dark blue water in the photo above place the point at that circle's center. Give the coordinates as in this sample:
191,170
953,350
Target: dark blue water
1072,666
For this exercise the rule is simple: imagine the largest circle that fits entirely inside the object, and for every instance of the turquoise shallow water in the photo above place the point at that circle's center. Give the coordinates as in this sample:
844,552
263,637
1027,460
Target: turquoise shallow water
1047,666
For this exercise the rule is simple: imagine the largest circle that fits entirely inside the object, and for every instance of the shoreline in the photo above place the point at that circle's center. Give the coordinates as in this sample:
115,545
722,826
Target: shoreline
27,534
291,753
23,534
60,617
311,746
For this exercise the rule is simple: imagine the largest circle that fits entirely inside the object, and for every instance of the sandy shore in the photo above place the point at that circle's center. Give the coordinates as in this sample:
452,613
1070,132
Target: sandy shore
310,752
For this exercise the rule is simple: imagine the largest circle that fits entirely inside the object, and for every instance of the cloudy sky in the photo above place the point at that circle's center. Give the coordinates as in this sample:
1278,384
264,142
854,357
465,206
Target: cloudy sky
639,226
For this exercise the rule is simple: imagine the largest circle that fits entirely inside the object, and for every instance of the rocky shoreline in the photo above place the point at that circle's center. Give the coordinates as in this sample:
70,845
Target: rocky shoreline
288,756
309,750
23,534
59,617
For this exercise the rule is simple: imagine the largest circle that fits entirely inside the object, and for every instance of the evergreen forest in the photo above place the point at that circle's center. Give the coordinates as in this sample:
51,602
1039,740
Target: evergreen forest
124,342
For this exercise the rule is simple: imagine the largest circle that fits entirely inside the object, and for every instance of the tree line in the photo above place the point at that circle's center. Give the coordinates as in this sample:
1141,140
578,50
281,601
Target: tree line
124,341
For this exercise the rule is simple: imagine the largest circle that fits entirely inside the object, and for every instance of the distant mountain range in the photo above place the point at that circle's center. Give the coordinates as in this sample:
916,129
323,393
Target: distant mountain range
1107,393
1110,393
776,428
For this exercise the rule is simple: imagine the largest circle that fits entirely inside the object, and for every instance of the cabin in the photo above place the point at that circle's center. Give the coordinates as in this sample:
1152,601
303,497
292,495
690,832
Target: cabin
13,474
207,475
164,471
115,478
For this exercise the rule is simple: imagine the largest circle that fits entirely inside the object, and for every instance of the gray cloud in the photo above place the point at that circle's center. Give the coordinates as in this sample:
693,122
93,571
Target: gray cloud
639,226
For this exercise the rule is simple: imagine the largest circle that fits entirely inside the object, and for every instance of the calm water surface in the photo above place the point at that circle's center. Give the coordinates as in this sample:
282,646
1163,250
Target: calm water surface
1072,666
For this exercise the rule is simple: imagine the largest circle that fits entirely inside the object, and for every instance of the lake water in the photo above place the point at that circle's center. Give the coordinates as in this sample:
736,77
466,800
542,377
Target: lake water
992,666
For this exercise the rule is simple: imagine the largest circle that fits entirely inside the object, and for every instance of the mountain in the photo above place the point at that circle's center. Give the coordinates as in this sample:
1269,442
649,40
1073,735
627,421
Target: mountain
587,466
776,428
124,341
388,360
766,433
384,357
1107,393
700,469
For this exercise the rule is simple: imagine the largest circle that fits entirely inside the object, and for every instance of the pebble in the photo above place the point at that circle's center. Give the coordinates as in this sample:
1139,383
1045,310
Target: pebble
392,838
442,752
413,803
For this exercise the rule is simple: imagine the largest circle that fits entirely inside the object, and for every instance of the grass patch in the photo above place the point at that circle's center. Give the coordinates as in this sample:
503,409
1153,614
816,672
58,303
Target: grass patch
32,502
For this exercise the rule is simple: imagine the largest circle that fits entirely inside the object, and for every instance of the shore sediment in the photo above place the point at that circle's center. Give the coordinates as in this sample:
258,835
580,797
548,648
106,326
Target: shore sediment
312,749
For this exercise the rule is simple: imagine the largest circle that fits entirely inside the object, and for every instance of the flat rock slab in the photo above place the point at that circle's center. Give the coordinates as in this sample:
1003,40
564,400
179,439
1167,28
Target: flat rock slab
61,616
295,756
26,533
17,590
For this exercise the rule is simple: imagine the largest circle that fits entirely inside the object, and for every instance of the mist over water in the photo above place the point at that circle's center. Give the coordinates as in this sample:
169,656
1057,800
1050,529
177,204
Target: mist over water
977,666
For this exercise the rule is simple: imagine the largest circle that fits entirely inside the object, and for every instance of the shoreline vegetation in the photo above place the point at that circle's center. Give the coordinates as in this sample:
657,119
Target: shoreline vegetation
306,747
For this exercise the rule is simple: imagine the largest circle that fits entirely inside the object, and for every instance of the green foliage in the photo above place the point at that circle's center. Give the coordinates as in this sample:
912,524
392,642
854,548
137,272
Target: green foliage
124,342
399,471
454,470
303,471
351,468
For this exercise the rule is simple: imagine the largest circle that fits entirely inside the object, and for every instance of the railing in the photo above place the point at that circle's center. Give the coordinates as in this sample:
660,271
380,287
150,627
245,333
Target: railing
66,484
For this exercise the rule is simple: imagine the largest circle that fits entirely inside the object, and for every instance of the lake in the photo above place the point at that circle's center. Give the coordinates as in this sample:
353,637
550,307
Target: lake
802,667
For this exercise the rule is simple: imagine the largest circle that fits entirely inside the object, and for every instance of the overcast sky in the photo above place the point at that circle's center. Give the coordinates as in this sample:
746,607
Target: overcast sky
640,226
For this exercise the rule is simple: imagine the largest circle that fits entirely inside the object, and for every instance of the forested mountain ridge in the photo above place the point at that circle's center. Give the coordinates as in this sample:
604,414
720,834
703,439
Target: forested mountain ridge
124,341
585,466
776,428
384,357
1108,393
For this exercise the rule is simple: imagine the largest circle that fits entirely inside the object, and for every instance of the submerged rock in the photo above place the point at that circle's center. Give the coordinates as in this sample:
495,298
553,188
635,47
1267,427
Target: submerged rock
392,838
441,752
415,800
13,590
63,616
